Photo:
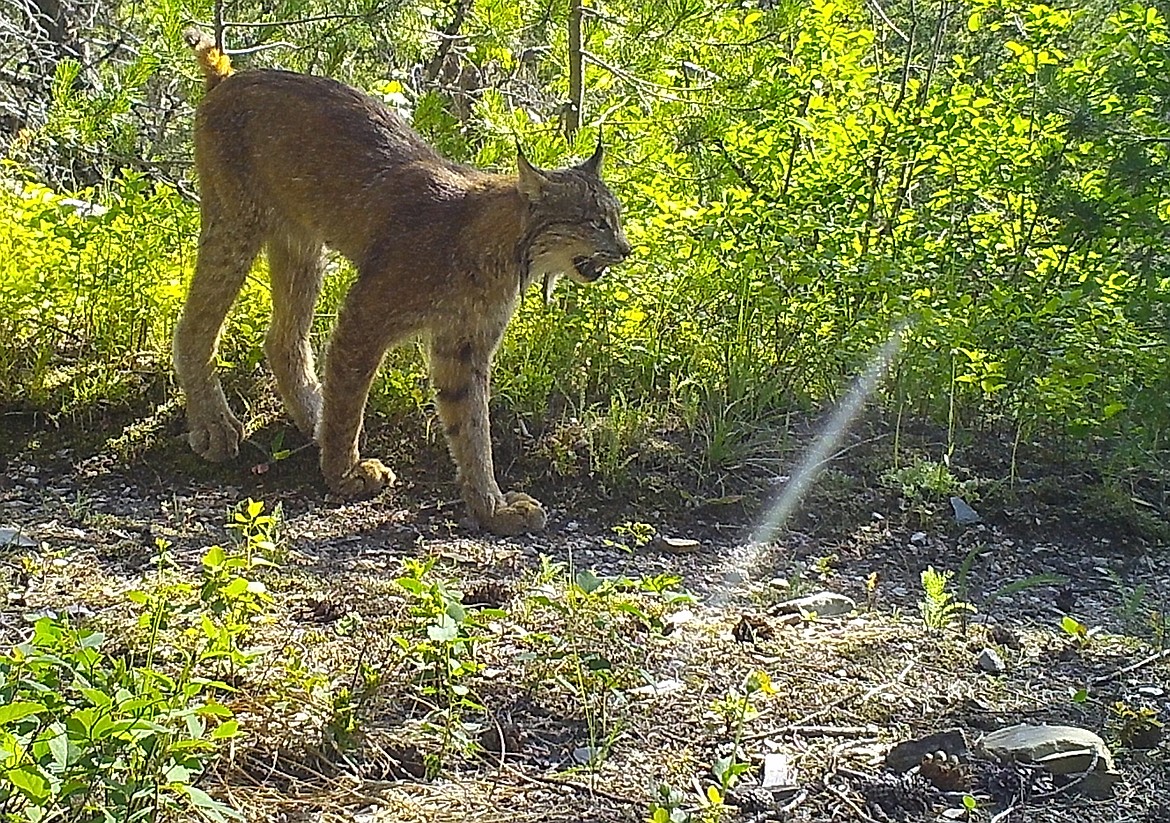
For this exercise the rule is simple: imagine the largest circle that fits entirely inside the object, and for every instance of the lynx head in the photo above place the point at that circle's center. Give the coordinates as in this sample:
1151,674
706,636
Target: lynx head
574,222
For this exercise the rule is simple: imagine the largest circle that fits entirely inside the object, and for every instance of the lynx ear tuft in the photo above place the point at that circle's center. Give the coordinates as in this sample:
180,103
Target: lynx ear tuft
533,182
593,164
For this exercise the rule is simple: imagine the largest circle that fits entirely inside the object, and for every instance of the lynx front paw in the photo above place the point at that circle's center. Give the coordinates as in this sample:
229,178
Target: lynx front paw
520,514
216,439
364,479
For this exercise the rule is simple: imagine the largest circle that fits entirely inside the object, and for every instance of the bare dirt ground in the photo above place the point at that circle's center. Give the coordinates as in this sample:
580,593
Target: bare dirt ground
581,703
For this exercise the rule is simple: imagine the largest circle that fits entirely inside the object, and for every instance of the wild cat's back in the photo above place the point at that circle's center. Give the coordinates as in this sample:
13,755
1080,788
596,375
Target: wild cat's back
310,127
322,153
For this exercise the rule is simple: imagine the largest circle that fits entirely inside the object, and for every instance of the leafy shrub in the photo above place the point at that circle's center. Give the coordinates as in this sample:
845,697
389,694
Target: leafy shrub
798,182
89,735
88,291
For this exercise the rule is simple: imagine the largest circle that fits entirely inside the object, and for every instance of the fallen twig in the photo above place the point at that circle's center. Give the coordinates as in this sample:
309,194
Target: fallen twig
816,731
571,784
1004,815
880,687
1132,667
848,801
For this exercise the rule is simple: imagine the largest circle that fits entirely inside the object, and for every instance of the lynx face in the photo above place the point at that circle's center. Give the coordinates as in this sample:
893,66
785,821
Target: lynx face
577,229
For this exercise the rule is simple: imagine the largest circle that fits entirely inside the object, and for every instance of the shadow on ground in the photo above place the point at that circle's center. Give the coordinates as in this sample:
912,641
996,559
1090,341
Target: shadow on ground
661,708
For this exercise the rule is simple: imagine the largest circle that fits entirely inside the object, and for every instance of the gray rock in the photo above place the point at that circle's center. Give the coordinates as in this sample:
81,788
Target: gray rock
918,538
909,754
991,662
964,514
675,545
584,755
1061,750
15,538
825,604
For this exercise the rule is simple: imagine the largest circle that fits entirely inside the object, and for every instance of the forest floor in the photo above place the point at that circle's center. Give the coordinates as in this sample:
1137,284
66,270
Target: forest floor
575,696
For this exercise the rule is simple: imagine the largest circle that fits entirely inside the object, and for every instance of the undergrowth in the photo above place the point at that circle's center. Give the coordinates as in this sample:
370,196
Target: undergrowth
99,728
1006,208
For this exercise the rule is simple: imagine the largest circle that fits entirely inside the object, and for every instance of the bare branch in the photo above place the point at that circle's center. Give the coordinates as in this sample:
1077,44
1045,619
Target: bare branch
880,12
279,44
447,37
298,21
638,81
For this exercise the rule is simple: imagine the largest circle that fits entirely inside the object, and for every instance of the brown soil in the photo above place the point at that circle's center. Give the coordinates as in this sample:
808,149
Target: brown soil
1054,543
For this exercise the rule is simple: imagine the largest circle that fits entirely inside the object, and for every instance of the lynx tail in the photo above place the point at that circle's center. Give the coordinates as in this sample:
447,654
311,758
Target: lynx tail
215,64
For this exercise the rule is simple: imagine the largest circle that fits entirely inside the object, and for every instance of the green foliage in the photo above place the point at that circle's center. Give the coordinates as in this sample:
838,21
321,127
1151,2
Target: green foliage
798,181
92,735
440,648
1081,634
89,736
1138,727
443,644
258,534
735,708
922,479
1024,583
631,535
939,606
87,297
578,638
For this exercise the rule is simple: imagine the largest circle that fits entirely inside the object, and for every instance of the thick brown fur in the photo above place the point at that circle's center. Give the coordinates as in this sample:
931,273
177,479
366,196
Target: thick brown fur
292,163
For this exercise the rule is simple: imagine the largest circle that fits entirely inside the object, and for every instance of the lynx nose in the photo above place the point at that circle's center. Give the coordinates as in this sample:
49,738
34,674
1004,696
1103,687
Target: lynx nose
623,247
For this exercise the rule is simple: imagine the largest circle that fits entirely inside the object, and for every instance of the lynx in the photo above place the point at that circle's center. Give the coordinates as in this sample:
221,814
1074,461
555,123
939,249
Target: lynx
292,163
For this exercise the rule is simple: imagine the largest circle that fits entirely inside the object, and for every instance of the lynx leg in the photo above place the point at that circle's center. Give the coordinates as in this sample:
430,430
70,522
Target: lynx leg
296,272
227,248
460,369
359,341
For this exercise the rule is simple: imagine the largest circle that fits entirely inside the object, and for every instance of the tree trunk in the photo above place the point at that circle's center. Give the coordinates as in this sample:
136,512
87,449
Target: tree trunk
447,38
576,83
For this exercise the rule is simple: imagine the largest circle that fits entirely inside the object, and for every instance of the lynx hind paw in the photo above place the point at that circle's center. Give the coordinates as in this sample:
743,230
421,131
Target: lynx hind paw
218,439
520,514
365,479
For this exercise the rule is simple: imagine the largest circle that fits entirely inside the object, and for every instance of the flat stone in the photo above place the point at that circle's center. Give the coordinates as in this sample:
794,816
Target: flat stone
825,604
676,545
16,538
1061,750
964,514
991,662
